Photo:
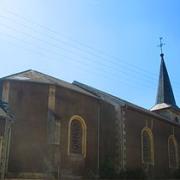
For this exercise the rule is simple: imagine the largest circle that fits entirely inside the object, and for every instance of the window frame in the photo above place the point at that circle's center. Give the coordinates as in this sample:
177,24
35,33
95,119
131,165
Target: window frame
149,132
172,137
84,136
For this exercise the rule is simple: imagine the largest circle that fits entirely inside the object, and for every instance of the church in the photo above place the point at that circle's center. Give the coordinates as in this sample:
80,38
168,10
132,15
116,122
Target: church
52,129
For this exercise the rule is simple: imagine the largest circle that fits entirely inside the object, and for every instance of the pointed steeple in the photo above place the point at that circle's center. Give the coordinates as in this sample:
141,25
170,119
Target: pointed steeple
165,92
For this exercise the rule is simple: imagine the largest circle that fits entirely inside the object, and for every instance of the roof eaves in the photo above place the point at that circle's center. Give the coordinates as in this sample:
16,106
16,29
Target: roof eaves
154,114
121,101
49,80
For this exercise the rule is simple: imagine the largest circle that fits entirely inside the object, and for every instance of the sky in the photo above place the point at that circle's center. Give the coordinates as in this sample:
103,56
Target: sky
111,45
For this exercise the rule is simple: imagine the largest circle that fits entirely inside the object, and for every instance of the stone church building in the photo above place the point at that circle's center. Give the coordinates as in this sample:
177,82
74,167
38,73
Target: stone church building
51,129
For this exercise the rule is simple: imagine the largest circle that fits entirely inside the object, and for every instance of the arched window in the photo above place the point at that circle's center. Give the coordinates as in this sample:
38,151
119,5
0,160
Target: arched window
173,152
77,136
147,146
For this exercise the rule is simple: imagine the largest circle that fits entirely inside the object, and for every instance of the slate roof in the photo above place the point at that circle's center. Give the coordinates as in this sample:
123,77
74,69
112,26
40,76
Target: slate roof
116,100
165,93
35,76
160,106
101,94
108,97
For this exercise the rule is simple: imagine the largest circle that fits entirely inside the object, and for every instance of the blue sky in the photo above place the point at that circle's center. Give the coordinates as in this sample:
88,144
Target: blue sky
110,45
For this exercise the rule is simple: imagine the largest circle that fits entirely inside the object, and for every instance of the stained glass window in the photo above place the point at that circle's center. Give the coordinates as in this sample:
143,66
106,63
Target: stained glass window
172,146
77,132
76,137
147,147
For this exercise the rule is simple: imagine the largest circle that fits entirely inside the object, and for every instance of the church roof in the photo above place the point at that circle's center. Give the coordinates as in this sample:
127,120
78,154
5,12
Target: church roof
160,106
165,97
35,76
101,94
114,100
118,101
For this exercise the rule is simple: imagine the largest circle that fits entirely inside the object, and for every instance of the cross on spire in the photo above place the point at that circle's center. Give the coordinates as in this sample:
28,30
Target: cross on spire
161,44
165,92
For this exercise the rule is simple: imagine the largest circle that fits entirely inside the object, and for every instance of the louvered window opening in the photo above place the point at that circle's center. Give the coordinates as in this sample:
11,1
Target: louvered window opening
76,137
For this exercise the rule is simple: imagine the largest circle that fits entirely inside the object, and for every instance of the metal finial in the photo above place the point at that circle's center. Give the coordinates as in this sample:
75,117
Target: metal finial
161,44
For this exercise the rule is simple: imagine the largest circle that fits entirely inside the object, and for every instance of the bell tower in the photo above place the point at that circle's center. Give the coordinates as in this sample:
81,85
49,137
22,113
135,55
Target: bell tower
165,100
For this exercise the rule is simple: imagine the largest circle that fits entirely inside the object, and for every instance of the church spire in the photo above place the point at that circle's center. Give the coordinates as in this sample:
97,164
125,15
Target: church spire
165,92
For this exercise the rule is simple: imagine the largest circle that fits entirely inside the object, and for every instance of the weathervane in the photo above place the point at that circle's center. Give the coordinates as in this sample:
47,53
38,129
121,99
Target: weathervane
161,44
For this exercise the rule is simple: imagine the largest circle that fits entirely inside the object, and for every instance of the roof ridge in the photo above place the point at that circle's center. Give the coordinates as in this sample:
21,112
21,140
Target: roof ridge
47,75
36,76
32,70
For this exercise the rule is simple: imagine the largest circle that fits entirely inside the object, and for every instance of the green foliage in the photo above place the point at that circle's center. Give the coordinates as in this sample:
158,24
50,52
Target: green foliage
107,170
175,174
89,174
132,174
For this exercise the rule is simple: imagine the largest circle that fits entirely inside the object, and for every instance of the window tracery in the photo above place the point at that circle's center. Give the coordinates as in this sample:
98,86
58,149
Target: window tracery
147,146
173,152
77,136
